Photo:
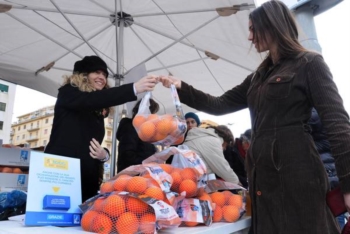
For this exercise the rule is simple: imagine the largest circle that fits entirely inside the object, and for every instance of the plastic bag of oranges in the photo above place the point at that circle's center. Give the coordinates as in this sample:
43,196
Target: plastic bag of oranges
121,212
160,129
189,176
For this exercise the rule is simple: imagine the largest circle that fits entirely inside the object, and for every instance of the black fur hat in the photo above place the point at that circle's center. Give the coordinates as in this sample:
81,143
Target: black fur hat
90,64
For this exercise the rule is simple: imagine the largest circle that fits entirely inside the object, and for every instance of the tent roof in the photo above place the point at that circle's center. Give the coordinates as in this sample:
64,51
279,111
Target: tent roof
41,40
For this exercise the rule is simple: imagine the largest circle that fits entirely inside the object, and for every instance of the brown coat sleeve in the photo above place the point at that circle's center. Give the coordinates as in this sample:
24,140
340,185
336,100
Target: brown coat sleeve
328,103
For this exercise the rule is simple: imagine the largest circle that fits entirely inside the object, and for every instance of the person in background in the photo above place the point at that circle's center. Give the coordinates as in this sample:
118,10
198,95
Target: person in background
192,120
209,143
323,147
233,156
287,180
131,149
82,103
242,144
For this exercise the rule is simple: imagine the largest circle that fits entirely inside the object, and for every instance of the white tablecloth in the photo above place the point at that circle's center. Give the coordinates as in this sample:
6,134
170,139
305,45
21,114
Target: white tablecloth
239,227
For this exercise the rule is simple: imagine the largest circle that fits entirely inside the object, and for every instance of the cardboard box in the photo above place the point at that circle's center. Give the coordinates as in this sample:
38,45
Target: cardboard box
14,157
10,181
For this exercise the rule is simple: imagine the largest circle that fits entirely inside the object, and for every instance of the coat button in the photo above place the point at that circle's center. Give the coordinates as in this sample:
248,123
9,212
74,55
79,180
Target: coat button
258,193
278,79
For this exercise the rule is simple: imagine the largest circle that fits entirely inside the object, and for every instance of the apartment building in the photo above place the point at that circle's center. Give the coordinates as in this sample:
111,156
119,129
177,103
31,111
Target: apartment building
33,129
7,98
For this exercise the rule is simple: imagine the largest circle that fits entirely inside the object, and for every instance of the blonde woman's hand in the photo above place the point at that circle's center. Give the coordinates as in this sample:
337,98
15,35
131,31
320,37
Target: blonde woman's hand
97,151
146,83
169,80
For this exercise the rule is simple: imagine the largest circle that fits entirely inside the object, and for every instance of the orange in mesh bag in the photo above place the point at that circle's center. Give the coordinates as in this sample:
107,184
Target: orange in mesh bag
127,213
160,129
229,207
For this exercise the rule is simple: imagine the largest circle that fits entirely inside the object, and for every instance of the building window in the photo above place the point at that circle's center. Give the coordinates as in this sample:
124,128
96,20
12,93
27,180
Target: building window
46,120
17,138
2,106
4,88
23,136
37,124
31,125
1,124
45,131
25,126
19,128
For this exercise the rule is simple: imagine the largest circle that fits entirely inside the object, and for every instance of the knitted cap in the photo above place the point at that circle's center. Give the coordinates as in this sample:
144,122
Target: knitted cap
193,116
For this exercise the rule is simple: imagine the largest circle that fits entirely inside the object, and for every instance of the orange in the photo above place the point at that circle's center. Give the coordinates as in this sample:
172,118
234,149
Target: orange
138,121
227,194
6,170
146,131
167,168
155,192
217,216
179,140
114,205
205,197
127,223
200,191
236,200
230,213
190,224
189,187
189,173
218,198
98,204
136,184
86,221
136,205
158,136
120,183
153,118
107,187
177,179
17,170
165,126
148,223
102,224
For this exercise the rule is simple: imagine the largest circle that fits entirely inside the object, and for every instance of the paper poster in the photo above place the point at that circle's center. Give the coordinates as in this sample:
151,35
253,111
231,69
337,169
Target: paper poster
54,191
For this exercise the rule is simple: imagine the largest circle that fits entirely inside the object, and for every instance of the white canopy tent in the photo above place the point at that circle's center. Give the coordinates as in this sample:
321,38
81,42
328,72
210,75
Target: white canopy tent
203,42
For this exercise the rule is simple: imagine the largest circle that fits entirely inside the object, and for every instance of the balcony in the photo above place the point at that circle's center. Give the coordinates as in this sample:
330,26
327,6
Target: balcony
12,133
108,138
109,125
33,138
33,129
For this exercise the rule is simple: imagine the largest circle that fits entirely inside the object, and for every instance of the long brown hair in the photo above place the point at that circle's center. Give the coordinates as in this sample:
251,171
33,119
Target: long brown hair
225,133
274,20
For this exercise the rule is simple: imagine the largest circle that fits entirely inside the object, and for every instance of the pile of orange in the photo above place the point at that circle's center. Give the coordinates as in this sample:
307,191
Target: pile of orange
15,170
119,214
154,128
227,206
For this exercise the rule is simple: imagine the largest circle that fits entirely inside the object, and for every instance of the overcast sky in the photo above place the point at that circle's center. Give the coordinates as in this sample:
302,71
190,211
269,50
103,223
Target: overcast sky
333,32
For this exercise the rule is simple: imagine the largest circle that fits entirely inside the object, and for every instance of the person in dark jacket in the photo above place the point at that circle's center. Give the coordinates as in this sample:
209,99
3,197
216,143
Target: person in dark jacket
82,104
131,149
323,147
287,180
235,154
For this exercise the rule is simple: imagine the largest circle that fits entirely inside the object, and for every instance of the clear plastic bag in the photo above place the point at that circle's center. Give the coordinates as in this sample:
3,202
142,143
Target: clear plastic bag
163,130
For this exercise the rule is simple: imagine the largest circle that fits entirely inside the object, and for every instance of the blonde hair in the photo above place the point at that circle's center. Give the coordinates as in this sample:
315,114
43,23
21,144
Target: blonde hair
82,82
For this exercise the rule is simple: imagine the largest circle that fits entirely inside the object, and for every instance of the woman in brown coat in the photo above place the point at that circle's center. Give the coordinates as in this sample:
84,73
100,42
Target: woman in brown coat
287,180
